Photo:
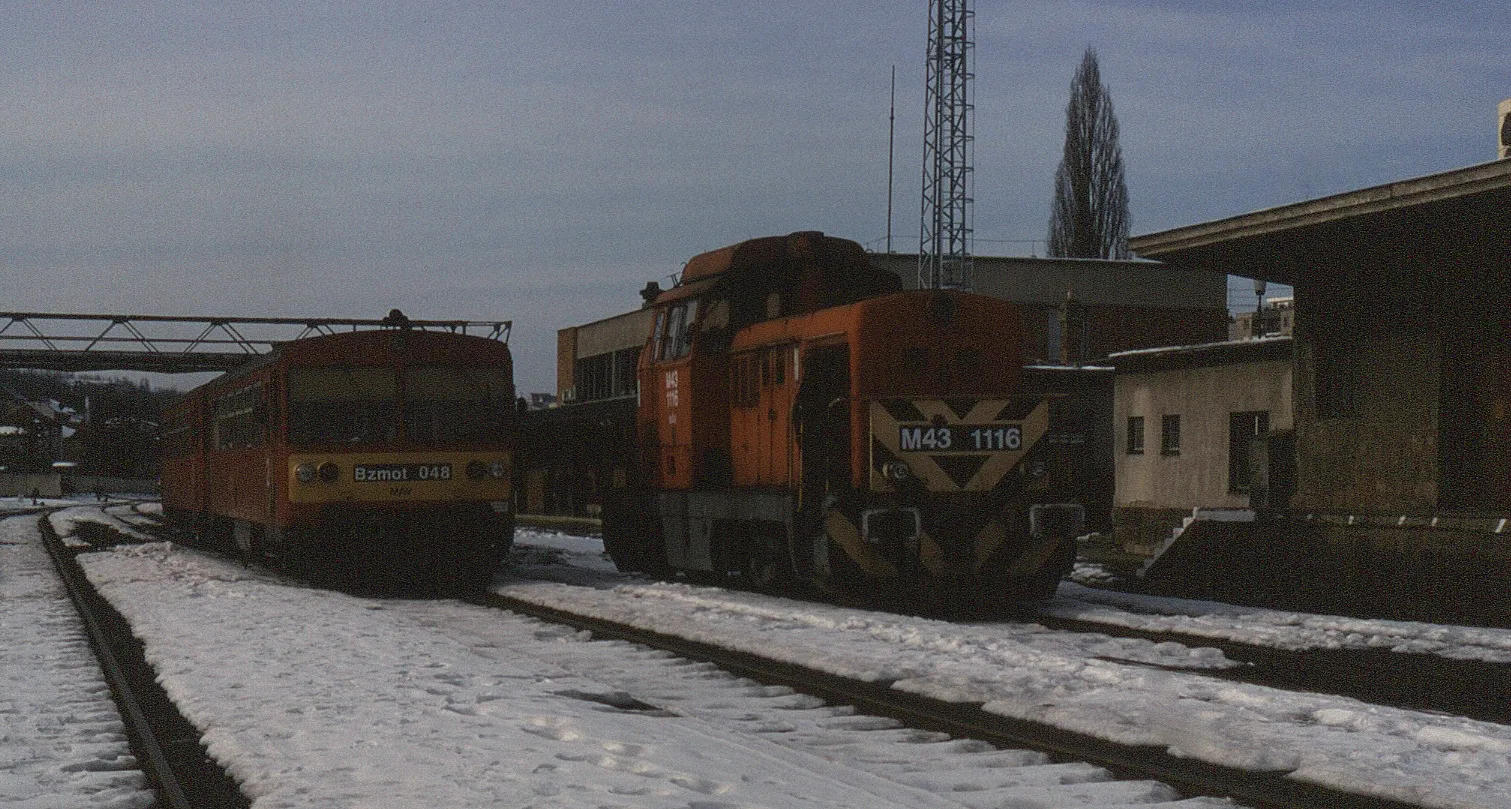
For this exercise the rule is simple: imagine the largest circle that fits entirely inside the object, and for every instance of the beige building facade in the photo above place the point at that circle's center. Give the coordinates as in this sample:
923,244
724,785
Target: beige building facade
1184,421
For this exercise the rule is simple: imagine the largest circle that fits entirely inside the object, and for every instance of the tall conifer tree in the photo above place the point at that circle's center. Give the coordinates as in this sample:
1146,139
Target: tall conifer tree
1089,216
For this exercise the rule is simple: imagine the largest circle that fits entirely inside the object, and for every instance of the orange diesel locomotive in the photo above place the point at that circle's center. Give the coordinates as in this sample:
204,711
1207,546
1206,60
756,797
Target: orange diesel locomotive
802,418
371,457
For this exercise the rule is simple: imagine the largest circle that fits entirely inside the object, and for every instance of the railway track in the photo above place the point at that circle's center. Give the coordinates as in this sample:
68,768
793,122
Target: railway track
165,743
969,721
1469,688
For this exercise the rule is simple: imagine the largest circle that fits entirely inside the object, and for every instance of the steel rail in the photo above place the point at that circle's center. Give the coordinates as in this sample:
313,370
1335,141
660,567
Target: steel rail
1261,790
172,775
144,741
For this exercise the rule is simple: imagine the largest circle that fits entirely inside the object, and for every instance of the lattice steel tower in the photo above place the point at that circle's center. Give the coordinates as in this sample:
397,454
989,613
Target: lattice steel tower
944,249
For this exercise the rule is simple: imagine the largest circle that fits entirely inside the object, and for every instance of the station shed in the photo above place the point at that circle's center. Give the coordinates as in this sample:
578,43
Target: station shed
1188,419
1402,375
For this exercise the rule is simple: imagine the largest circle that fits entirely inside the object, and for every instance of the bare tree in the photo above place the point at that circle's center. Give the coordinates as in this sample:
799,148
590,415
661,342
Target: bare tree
1089,216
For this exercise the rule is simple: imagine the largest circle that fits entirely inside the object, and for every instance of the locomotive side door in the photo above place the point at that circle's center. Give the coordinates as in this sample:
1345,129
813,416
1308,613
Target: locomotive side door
778,389
747,430
822,412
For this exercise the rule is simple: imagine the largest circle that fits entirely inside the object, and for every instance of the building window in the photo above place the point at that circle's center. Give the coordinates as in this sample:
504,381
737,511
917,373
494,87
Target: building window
1135,435
1243,428
1169,435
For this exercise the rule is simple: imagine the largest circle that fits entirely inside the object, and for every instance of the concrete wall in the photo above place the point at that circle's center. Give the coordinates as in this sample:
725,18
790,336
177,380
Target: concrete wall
1094,283
22,484
1384,457
1203,397
52,484
1127,304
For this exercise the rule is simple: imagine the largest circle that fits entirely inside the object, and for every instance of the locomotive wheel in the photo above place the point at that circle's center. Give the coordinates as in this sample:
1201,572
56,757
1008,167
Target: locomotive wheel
765,565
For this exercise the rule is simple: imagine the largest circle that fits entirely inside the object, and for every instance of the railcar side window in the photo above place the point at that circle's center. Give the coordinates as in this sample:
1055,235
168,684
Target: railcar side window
240,420
178,438
457,404
342,405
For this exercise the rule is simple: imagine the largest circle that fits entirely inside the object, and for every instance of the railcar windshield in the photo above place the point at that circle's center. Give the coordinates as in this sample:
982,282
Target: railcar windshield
342,405
446,404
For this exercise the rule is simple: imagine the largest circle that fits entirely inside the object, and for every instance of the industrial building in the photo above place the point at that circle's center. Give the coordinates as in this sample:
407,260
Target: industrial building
1402,385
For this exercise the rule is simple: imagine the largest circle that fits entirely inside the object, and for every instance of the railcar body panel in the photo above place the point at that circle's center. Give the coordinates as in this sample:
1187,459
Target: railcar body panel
392,443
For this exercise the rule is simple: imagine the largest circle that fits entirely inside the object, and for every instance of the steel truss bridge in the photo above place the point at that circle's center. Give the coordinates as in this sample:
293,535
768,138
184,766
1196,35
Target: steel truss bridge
167,344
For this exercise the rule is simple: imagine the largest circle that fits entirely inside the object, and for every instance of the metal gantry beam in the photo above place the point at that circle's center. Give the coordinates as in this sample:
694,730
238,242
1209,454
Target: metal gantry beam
944,250
171,344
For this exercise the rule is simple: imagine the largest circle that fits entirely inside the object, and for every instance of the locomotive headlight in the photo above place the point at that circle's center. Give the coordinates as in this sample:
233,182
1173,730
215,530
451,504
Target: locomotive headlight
329,472
305,472
896,470
497,470
476,470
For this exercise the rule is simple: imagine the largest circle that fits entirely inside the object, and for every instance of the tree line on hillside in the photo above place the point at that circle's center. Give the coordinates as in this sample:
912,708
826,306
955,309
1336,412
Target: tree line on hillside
106,426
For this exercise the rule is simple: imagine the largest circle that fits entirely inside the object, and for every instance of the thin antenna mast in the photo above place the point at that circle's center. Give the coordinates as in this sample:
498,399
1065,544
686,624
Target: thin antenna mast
891,145
944,234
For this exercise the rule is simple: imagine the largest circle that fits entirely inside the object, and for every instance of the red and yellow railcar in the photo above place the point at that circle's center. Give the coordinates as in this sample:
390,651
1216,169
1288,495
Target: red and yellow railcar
802,417
375,457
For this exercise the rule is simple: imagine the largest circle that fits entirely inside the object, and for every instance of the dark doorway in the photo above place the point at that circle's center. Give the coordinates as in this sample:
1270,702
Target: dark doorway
1243,428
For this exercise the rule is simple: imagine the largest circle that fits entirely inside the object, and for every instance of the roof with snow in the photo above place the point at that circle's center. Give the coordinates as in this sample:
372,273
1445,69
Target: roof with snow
1228,352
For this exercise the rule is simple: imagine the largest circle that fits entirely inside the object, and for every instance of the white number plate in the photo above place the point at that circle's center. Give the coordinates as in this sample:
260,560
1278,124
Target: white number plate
961,438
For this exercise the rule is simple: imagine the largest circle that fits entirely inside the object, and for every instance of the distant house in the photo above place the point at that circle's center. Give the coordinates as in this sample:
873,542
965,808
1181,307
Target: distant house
1276,319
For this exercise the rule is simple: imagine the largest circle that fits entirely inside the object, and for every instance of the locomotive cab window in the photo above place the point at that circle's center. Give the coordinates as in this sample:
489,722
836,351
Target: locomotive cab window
456,404
342,405
674,332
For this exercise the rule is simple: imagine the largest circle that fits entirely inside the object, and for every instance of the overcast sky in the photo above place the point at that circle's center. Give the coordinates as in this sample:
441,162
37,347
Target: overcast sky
540,161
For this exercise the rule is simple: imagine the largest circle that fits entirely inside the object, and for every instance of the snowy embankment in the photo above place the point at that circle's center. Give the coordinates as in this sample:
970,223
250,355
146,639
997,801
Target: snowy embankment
62,743
314,698
1100,686
1277,629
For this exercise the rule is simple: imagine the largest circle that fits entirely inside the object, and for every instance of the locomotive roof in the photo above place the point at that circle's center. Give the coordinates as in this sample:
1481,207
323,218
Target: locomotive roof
763,252
836,270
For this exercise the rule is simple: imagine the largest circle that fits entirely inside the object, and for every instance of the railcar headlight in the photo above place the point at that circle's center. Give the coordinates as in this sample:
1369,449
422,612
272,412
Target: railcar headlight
476,470
896,470
305,472
497,470
329,472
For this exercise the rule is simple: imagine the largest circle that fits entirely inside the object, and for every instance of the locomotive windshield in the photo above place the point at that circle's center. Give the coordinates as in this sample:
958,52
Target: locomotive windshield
456,404
342,405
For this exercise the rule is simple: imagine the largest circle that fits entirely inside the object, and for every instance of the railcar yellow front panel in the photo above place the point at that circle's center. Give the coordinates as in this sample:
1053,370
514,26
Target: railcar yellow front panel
366,477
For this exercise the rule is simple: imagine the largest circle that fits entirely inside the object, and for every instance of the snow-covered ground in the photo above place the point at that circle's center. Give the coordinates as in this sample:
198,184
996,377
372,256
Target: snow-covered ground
1279,629
62,743
363,702
1105,686
314,698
